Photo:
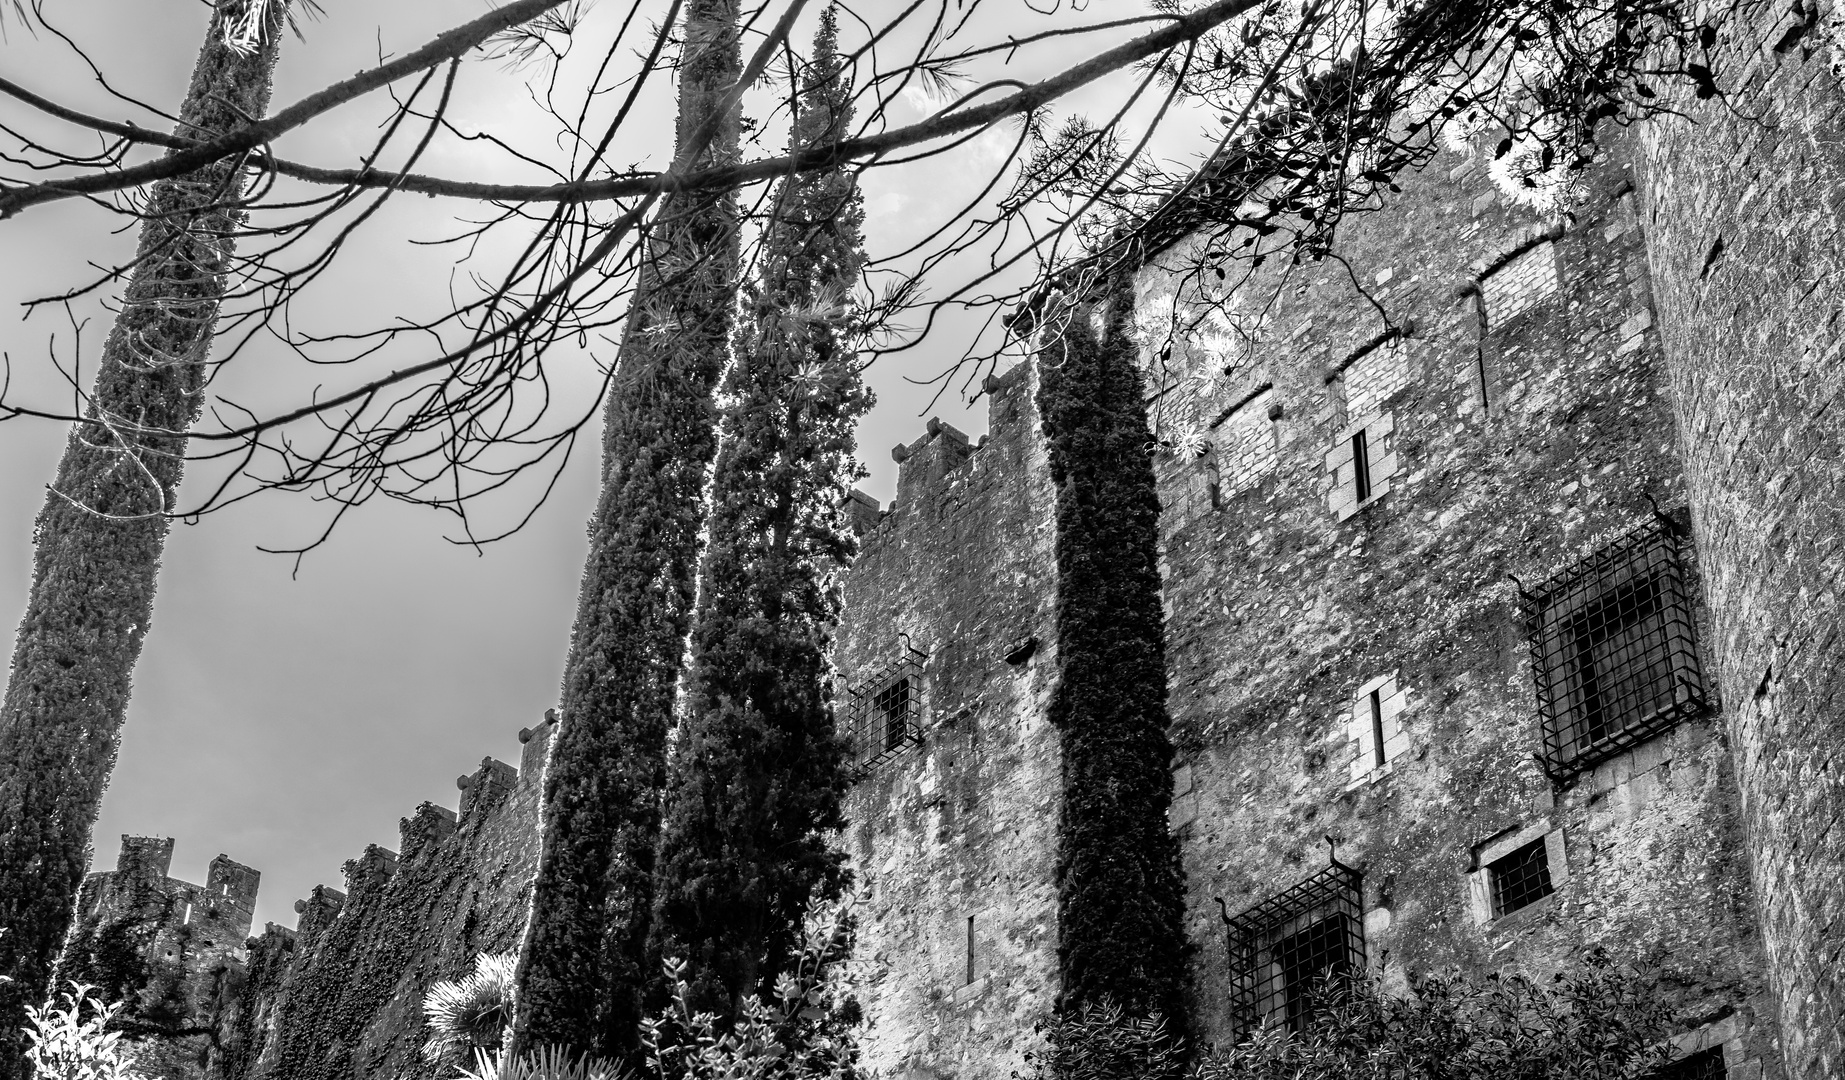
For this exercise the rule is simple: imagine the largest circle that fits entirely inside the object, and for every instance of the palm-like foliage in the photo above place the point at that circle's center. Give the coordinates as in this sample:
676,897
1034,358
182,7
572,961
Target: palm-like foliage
470,1014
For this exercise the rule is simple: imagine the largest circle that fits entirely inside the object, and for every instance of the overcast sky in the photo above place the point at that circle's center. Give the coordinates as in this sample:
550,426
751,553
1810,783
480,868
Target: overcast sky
287,722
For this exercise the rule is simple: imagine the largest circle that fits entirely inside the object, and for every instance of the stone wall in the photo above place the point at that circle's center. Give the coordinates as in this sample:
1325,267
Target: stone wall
191,939
1742,204
1503,450
954,835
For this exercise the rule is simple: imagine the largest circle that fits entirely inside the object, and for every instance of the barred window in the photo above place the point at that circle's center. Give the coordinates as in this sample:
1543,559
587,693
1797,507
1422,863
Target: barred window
883,715
1286,949
1520,878
1703,1065
1613,650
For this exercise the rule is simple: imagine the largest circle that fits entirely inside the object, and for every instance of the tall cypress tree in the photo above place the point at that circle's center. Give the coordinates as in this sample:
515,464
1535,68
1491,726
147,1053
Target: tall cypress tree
1120,882
582,963
98,540
758,770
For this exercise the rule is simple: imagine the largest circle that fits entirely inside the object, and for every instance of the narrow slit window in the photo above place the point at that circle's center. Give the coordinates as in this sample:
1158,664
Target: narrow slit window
1361,465
1377,724
970,949
1520,878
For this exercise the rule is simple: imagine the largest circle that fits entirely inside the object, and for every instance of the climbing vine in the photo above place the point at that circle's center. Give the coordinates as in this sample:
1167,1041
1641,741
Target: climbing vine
1120,884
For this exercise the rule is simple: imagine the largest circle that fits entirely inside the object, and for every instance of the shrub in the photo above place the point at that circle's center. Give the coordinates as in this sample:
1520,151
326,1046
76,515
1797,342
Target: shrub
806,1032
62,1044
1599,1020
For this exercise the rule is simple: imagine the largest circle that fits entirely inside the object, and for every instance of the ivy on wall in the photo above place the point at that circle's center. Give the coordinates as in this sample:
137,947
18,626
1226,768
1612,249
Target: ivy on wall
1120,883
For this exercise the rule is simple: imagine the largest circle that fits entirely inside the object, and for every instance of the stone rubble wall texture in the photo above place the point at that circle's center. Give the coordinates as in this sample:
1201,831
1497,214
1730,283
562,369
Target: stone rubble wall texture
963,824
1742,203
1539,401
1283,607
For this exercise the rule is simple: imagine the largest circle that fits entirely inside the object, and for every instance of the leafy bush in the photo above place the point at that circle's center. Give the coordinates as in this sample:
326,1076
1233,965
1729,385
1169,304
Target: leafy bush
1098,1041
808,1032
470,1014
62,1044
1599,1020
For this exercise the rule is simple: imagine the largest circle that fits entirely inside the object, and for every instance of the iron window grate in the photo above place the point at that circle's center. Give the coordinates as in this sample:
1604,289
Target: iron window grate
884,714
1285,949
1703,1065
1520,878
1614,650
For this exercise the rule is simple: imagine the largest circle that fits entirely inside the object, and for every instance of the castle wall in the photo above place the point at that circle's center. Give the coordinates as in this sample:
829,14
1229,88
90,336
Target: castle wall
342,996
962,825
185,942
1500,456
1743,201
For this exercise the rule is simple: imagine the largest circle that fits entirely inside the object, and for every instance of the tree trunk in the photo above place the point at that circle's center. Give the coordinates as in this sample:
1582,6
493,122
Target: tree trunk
98,539
583,961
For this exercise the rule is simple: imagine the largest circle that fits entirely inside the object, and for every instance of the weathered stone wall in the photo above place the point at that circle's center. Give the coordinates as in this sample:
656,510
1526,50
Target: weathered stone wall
342,995
962,825
1742,203
190,937
1516,449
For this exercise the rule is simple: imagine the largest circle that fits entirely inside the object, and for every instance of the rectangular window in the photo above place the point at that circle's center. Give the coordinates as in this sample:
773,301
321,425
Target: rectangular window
1360,465
970,949
1288,949
883,713
1703,1065
1613,650
1520,878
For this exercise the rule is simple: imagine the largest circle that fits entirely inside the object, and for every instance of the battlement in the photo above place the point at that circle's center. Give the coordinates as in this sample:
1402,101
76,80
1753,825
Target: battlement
930,466
485,794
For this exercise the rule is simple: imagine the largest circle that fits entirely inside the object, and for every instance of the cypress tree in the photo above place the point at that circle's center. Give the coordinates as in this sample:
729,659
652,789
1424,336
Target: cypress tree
758,770
98,540
582,963
1120,883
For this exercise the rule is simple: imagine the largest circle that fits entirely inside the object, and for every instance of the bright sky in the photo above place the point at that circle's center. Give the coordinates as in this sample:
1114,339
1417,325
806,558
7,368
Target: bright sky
289,722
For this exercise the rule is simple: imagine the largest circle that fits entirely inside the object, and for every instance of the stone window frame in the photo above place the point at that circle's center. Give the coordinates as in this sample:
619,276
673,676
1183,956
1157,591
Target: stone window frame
1479,876
1392,700
1724,1036
1345,498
